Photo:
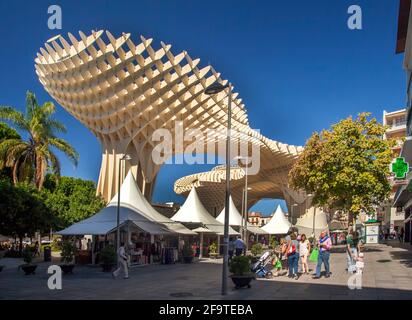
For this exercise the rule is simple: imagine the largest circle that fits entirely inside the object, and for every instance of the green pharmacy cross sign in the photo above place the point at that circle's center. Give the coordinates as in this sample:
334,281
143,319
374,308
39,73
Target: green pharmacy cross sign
400,168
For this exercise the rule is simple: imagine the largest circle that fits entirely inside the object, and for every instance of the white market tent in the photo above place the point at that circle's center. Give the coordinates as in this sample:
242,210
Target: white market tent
235,218
193,211
278,224
134,208
305,222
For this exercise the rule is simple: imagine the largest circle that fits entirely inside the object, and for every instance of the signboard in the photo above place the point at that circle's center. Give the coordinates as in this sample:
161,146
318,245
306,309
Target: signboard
400,168
372,233
372,239
372,230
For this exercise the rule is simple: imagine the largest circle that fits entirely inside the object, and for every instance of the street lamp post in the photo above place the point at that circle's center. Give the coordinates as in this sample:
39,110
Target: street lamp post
124,158
215,88
244,200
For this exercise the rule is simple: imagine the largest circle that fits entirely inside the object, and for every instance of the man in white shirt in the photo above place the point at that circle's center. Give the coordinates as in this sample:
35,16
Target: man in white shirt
122,259
239,246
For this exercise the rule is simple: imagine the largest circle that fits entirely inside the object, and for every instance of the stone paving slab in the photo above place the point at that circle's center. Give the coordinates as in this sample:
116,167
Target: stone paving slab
387,275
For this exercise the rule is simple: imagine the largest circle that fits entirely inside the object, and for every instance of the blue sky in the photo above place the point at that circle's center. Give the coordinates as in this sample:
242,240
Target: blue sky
296,65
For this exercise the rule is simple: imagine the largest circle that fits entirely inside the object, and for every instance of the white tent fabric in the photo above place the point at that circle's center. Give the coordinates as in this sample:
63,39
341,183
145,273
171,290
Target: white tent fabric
106,221
235,218
193,211
278,224
255,229
305,222
131,195
133,207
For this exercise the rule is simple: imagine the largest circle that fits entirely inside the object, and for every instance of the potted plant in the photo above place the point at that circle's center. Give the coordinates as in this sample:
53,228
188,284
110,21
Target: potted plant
241,274
187,253
28,267
67,255
257,249
107,258
213,250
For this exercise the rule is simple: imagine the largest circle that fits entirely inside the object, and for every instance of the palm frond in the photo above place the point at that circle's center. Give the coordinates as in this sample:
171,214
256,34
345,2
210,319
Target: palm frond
66,148
31,105
16,117
56,125
55,164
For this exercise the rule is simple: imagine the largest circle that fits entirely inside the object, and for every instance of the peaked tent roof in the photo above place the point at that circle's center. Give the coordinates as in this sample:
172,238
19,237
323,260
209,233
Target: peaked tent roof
305,222
106,221
278,224
193,211
131,195
235,218
134,208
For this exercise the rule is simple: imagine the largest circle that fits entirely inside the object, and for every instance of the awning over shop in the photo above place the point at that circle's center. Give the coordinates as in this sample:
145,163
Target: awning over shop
193,211
255,230
338,225
278,224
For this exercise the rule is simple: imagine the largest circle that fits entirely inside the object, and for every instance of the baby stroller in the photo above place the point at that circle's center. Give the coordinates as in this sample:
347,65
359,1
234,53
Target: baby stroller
263,266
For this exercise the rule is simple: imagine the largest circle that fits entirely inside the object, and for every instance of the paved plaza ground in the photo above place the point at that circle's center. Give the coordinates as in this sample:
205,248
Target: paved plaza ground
387,275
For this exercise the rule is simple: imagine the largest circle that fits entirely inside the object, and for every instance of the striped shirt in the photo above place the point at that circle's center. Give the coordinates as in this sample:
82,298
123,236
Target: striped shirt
326,242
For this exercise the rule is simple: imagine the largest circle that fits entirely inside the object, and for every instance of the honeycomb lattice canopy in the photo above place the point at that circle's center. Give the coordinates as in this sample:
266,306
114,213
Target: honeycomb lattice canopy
123,92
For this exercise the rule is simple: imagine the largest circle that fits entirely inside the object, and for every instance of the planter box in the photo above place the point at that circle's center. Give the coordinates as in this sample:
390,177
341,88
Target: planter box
187,259
242,281
213,255
29,269
67,268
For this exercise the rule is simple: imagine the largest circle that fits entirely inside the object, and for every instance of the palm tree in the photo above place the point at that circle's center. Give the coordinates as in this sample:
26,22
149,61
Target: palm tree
30,160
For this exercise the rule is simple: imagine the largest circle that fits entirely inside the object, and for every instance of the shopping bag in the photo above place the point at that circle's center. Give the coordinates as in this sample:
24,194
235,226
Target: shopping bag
278,265
314,255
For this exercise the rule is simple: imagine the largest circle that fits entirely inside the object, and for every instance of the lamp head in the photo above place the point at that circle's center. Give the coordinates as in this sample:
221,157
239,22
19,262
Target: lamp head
215,88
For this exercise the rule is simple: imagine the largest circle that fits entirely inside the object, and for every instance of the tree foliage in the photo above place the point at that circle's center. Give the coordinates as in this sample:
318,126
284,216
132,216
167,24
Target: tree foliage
22,210
71,199
7,133
347,167
30,160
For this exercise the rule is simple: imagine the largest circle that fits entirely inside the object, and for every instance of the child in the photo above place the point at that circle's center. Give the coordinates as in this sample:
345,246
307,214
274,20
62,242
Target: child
360,263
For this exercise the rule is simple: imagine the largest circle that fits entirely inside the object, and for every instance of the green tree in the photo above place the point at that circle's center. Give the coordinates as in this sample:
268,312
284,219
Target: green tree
347,167
22,210
7,133
30,160
71,199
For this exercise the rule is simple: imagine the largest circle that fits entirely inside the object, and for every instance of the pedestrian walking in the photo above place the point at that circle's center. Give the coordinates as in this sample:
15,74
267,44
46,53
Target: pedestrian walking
291,250
324,244
231,248
401,235
36,250
304,249
239,246
352,250
122,259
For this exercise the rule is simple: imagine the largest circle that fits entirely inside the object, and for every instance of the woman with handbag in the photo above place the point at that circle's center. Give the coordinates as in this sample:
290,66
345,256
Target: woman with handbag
291,250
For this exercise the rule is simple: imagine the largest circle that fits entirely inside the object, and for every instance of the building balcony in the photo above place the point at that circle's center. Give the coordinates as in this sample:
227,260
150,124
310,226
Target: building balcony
396,128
